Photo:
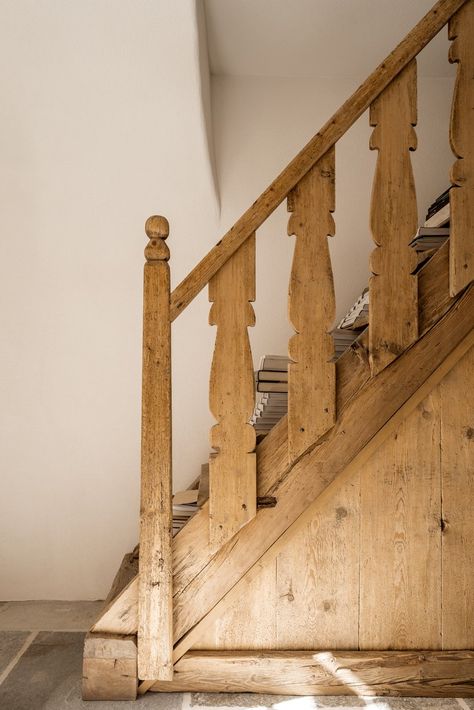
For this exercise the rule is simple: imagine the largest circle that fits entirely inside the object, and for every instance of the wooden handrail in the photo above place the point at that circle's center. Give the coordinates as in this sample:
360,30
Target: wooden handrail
330,133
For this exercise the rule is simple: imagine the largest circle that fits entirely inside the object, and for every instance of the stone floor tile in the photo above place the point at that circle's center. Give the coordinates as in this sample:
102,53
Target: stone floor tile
48,615
10,644
240,701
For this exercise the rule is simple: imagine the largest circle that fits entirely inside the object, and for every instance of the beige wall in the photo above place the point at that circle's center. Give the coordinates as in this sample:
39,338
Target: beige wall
102,123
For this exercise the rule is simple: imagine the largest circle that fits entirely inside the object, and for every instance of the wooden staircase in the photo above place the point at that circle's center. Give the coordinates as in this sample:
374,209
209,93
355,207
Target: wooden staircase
340,417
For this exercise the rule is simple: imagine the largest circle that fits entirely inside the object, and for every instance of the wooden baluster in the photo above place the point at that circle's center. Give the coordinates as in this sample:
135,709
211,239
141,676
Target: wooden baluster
155,600
393,309
311,308
461,197
232,469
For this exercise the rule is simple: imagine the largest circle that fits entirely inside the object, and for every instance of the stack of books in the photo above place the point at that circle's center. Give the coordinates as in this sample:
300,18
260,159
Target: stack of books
343,339
357,316
438,212
272,392
428,238
185,505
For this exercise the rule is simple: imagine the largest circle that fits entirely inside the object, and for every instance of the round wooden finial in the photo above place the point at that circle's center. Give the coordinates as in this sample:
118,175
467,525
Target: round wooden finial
157,230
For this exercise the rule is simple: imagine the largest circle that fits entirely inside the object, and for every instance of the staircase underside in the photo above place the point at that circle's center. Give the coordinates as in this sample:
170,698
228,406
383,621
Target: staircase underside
206,584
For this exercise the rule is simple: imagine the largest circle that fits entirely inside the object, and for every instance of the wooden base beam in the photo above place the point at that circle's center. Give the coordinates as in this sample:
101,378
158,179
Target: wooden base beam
406,673
109,667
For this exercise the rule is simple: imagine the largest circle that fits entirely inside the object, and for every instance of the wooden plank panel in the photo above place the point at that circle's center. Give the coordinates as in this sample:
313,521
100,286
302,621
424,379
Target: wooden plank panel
461,197
250,622
317,600
325,138
416,371
352,373
393,318
400,593
427,673
311,308
457,461
232,469
155,589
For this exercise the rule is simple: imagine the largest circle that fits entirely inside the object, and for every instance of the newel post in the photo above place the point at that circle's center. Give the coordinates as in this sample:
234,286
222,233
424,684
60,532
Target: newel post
155,611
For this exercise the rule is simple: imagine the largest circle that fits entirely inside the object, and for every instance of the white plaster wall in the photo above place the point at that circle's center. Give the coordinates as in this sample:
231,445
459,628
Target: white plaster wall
101,125
260,123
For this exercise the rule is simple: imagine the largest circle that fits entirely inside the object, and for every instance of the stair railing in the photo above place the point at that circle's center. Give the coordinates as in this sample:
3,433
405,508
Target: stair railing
308,184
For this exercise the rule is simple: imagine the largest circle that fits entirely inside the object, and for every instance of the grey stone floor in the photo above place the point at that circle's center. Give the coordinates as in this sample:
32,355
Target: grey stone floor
41,659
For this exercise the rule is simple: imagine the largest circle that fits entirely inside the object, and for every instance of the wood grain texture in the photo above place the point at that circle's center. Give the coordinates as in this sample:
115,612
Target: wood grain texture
353,373
375,404
232,469
426,673
305,595
419,367
457,460
317,573
311,308
400,536
393,322
155,592
327,136
109,668
461,135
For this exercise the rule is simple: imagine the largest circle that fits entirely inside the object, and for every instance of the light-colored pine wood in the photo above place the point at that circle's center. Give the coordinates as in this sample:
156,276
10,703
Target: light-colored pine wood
232,469
393,319
325,138
461,197
317,573
457,461
425,673
155,594
416,371
109,668
126,572
374,405
434,298
400,536
305,596
250,623
311,308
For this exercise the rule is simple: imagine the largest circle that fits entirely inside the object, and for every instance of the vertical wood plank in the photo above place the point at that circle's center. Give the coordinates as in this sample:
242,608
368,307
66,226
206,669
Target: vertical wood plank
155,595
393,219
311,308
232,469
461,134
317,603
457,461
250,623
400,602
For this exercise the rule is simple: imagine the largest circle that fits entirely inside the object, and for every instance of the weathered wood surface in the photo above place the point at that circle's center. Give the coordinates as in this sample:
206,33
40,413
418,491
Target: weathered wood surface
457,461
232,468
190,550
109,668
400,536
155,593
393,323
311,308
244,585
327,136
461,197
419,673
126,572
374,405
434,298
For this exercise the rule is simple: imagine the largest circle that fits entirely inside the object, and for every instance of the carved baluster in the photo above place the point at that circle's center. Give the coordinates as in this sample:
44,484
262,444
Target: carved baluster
311,308
461,255
232,469
393,309
155,593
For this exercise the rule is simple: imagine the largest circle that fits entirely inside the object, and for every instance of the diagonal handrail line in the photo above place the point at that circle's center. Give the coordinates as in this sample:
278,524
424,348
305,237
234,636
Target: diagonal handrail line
423,32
